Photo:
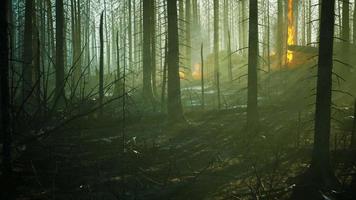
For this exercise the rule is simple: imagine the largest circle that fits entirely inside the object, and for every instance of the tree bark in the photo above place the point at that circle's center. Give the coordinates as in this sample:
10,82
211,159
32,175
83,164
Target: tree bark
188,22
27,54
345,35
147,52
252,113
174,108
4,89
59,87
216,51
320,165
101,62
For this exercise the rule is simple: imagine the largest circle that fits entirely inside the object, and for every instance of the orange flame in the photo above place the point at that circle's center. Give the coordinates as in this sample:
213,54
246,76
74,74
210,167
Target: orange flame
291,31
196,74
181,75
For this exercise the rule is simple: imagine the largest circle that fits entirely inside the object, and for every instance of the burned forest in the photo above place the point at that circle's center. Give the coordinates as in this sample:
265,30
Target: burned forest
178,99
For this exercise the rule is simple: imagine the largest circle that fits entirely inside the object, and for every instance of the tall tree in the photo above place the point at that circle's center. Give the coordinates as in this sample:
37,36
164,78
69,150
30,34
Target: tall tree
354,24
76,45
101,62
4,88
216,50
252,113
320,165
280,35
188,22
147,51
174,107
345,34
59,88
153,47
27,51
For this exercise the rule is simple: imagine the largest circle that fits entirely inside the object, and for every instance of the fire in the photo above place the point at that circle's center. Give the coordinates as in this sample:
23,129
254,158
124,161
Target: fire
291,31
181,75
196,73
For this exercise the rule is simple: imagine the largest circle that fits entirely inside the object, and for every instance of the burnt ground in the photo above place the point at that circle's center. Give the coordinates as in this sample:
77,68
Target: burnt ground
210,156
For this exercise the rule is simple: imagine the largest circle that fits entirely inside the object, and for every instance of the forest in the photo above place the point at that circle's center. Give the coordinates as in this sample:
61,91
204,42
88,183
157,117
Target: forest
178,99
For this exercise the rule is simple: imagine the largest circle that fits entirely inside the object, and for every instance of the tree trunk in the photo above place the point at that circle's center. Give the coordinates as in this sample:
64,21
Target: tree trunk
202,76
252,114
164,78
101,63
216,51
27,54
320,165
4,89
188,22
345,35
309,26
153,46
174,108
147,36
59,87
229,62
354,25
280,34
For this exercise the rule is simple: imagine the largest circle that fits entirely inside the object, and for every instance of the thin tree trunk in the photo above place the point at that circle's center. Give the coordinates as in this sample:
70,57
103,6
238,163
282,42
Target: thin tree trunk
188,22
345,34
202,76
147,62
164,78
153,46
309,31
101,64
118,74
216,51
59,87
252,113
229,62
175,111
27,55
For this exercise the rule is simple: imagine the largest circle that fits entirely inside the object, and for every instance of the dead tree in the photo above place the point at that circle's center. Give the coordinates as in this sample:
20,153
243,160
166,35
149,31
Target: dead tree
101,62
252,113
174,108
27,51
4,89
59,87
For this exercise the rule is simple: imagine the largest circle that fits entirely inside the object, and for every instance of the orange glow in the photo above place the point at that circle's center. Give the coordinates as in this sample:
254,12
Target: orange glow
181,75
291,31
196,73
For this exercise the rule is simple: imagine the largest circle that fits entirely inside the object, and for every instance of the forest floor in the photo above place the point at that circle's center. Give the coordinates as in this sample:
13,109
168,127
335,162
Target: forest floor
210,156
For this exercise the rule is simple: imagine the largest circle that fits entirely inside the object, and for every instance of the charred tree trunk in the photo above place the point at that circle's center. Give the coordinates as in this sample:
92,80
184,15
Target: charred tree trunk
252,114
280,34
153,47
229,62
174,108
59,87
345,34
147,52
27,54
164,78
320,165
101,63
188,22
354,25
216,51
4,88
202,76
